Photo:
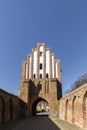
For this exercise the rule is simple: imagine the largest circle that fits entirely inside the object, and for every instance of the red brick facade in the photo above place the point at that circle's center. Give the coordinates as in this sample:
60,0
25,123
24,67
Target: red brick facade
73,107
11,107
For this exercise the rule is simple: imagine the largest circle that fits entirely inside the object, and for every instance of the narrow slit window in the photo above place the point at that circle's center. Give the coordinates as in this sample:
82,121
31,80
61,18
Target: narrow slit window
47,76
34,76
40,66
40,76
40,53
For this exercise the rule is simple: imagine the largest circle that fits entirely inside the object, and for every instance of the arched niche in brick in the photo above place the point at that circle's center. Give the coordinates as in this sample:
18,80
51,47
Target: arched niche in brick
73,109
85,110
2,109
11,108
66,109
47,86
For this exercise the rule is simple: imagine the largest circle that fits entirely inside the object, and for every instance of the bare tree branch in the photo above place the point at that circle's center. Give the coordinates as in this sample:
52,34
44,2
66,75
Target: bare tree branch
80,81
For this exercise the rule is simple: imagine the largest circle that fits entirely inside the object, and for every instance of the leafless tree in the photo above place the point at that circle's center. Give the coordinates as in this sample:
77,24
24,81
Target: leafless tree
79,82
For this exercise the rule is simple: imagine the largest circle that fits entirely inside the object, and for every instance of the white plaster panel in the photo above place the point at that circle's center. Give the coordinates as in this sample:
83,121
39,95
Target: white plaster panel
47,61
52,66
29,67
26,70
41,72
41,48
41,59
56,70
34,62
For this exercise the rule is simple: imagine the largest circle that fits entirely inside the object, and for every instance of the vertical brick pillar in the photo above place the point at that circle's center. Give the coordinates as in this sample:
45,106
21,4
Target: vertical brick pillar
31,70
44,62
52,63
54,68
28,66
56,72
53,98
59,71
50,66
23,70
37,61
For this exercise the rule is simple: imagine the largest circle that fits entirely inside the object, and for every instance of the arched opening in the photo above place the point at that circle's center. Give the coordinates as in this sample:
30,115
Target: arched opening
40,107
66,109
40,66
2,108
11,109
34,76
41,53
85,111
40,76
47,75
73,109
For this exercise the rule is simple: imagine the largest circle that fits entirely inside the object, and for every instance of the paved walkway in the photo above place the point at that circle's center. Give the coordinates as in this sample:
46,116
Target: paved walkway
37,123
64,125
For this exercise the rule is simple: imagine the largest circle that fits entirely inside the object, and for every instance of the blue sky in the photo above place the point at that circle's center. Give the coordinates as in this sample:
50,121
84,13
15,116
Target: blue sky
61,24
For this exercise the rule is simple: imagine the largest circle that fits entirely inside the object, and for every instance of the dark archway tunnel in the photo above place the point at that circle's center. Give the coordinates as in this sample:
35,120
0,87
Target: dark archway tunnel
40,107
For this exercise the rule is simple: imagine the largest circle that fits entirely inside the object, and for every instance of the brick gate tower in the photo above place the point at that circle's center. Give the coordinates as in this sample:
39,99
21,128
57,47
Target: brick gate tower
41,80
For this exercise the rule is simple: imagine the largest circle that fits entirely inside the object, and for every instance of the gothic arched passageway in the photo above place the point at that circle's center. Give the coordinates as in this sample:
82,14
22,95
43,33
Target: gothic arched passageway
40,107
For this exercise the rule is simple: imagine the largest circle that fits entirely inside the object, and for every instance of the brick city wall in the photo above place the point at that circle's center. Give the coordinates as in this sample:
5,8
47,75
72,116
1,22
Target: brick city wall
73,107
11,107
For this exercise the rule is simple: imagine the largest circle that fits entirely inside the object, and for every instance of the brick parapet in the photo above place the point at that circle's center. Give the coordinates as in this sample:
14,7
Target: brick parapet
10,106
78,90
72,107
